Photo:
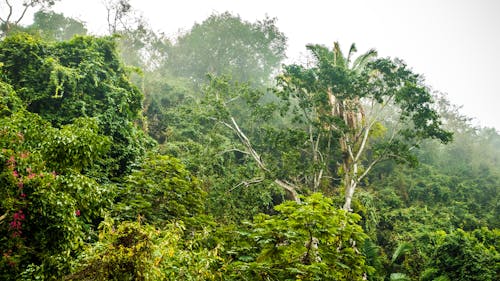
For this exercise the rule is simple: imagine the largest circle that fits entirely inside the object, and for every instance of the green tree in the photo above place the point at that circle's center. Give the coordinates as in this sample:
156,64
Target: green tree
226,99
47,206
461,256
162,190
166,105
311,240
352,98
131,251
83,77
54,26
187,130
225,44
142,47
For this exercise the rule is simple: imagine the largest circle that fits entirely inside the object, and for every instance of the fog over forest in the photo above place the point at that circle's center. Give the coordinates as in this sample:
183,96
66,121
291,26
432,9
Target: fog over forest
452,42
133,153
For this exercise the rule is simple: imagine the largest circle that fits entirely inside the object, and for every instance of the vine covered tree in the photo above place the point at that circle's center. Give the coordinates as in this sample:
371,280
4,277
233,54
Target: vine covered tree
82,77
47,203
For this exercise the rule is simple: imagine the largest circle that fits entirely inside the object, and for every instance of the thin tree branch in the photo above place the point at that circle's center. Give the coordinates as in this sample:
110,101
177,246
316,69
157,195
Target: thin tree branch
284,184
232,150
367,170
247,143
290,188
363,143
247,183
26,6
7,19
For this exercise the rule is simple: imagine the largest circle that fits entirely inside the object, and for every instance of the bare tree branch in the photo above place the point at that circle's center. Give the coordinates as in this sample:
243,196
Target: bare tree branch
7,19
289,187
247,183
26,6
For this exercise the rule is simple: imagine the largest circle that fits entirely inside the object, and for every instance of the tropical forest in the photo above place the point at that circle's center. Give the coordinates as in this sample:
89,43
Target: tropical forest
134,155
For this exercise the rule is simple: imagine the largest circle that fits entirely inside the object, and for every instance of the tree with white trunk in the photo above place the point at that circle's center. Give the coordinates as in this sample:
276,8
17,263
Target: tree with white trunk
377,107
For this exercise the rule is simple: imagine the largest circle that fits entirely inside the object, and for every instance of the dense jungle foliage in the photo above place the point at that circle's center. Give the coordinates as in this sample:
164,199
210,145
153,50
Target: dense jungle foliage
139,157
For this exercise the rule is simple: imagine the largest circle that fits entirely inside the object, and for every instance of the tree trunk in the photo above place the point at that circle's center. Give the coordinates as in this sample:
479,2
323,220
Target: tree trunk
350,182
290,189
352,142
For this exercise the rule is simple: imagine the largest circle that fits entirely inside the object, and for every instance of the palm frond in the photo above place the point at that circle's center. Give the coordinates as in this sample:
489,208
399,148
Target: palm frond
372,253
402,249
339,59
364,59
320,52
352,50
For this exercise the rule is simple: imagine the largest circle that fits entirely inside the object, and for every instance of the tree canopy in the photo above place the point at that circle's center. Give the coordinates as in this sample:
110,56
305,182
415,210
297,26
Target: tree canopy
350,96
136,156
82,77
226,44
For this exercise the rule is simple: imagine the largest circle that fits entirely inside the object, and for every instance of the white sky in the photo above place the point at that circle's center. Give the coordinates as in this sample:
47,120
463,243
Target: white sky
454,43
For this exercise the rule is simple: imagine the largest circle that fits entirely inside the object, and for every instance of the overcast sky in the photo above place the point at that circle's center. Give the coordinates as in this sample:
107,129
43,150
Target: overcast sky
455,44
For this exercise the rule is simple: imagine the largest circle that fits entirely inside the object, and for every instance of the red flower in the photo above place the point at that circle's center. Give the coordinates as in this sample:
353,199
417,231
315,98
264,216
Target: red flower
15,173
16,224
11,160
77,213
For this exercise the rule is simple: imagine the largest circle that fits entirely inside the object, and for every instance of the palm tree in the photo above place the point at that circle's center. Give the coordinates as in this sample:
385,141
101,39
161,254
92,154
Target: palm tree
350,98
348,109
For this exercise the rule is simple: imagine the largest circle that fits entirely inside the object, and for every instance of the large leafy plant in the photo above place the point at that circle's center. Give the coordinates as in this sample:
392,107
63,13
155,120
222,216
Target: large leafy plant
83,77
47,204
311,240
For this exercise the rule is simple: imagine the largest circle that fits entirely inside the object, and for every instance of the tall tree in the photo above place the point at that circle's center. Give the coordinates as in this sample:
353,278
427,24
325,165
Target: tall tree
226,44
353,97
142,47
55,26
221,96
119,14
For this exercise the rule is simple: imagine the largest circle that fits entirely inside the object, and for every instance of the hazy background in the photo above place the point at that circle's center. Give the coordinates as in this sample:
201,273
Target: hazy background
454,43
